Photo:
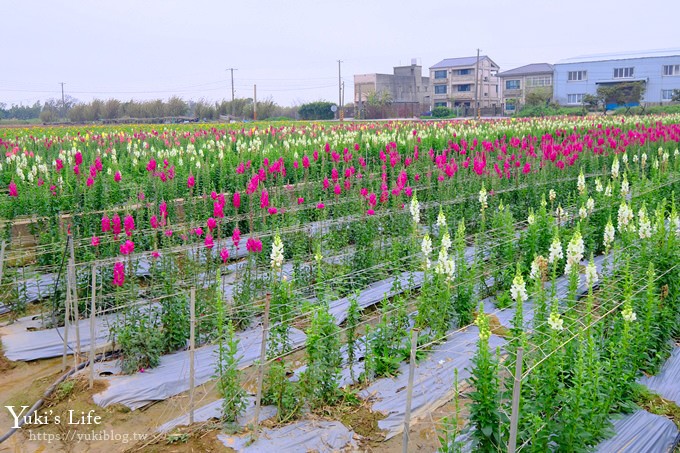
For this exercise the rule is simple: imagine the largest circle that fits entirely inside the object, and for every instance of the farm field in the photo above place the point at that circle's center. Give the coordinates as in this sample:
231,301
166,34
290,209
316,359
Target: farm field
205,287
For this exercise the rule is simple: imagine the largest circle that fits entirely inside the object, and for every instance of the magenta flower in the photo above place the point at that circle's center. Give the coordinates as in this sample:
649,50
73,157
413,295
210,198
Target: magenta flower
76,170
273,210
300,200
191,182
254,245
213,195
236,237
370,212
168,233
90,181
212,223
155,254
117,177
119,273
337,189
94,241
305,162
129,224
127,247
13,190
106,224
224,254
237,200
59,164
320,206
79,158
163,208
218,210
116,225
198,231
151,166
154,221
209,241
264,199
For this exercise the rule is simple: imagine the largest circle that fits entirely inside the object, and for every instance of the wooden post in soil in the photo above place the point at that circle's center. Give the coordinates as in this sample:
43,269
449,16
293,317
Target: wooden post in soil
192,345
263,358
409,389
67,315
2,260
93,311
74,300
514,416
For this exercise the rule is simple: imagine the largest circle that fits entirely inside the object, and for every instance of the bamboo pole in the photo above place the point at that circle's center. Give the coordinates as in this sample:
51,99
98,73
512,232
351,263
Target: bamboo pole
409,390
263,358
192,352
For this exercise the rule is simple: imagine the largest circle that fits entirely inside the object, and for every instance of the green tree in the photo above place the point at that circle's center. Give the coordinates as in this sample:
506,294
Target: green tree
319,110
622,94
538,96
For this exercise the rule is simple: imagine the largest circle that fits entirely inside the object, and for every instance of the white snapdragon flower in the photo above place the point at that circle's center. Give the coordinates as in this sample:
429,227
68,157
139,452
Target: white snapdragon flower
531,219
644,225
556,252
581,183
426,248
625,217
555,322
624,158
591,274
615,167
277,253
559,212
552,195
445,265
598,186
590,205
625,187
628,314
483,198
446,241
575,250
582,212
608,234
441,219
608,190
415,209
518,290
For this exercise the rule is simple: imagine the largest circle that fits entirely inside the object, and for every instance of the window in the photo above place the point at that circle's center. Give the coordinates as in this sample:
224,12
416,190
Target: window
510,106
440,74
622,73
440,104
440,89
671,69
464,71
574,76
575,98
539,81
465,87
667,95
512,84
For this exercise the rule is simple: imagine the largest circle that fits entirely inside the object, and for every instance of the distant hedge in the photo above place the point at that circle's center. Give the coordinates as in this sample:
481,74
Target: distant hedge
320,110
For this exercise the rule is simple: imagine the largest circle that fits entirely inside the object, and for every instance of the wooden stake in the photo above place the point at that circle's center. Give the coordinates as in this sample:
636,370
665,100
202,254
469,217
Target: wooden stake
2,260
263,358
67,315
93,311
409,389
192,345
514,417
74,301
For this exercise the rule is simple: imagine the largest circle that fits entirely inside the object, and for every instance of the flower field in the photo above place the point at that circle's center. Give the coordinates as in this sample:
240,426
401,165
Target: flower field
301,268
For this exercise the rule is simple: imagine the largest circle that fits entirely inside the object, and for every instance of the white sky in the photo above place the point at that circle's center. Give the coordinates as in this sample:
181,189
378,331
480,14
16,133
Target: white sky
149,49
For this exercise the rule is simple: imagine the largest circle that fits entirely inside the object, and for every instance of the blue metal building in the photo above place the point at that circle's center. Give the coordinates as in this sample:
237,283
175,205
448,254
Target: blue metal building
578,76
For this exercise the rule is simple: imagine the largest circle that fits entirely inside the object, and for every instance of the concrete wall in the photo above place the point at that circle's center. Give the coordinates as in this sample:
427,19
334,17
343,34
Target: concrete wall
649,69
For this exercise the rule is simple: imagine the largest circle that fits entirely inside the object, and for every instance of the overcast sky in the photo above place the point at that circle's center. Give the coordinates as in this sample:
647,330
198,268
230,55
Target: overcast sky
148,49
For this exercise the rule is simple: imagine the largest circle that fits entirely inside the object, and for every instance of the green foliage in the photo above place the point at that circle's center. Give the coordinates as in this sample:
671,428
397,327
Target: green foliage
385,345
621,93
320,110
320,379
353,318
281,392
228,374
281,312
139,340
442,112
538,96
175,321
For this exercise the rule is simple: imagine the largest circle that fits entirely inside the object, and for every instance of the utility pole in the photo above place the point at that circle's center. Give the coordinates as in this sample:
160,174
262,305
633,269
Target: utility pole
339,89
232,82
342,104
254,102
477,85
63,99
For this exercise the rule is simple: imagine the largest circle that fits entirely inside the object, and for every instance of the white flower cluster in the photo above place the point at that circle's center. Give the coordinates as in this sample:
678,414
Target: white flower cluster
625,187
559,212
575,250
415,209
277,253
624,158
445,265
628,314
446,241
608,190
555,322
598,186
483,198
535,267
625,217
441,219
590,205
643,160
608,234
552,195
615,167
518,290
555,251
426,248
644,225
531,219
674,220
581,183
583,212
591,274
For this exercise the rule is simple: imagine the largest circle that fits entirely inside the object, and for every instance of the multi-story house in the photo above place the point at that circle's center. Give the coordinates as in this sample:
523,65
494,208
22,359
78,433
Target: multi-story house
658,69
457,82
405,86
517,83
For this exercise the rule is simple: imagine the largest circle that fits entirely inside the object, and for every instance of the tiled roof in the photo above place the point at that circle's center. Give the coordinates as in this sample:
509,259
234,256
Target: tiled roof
534,68
461,61
622,56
